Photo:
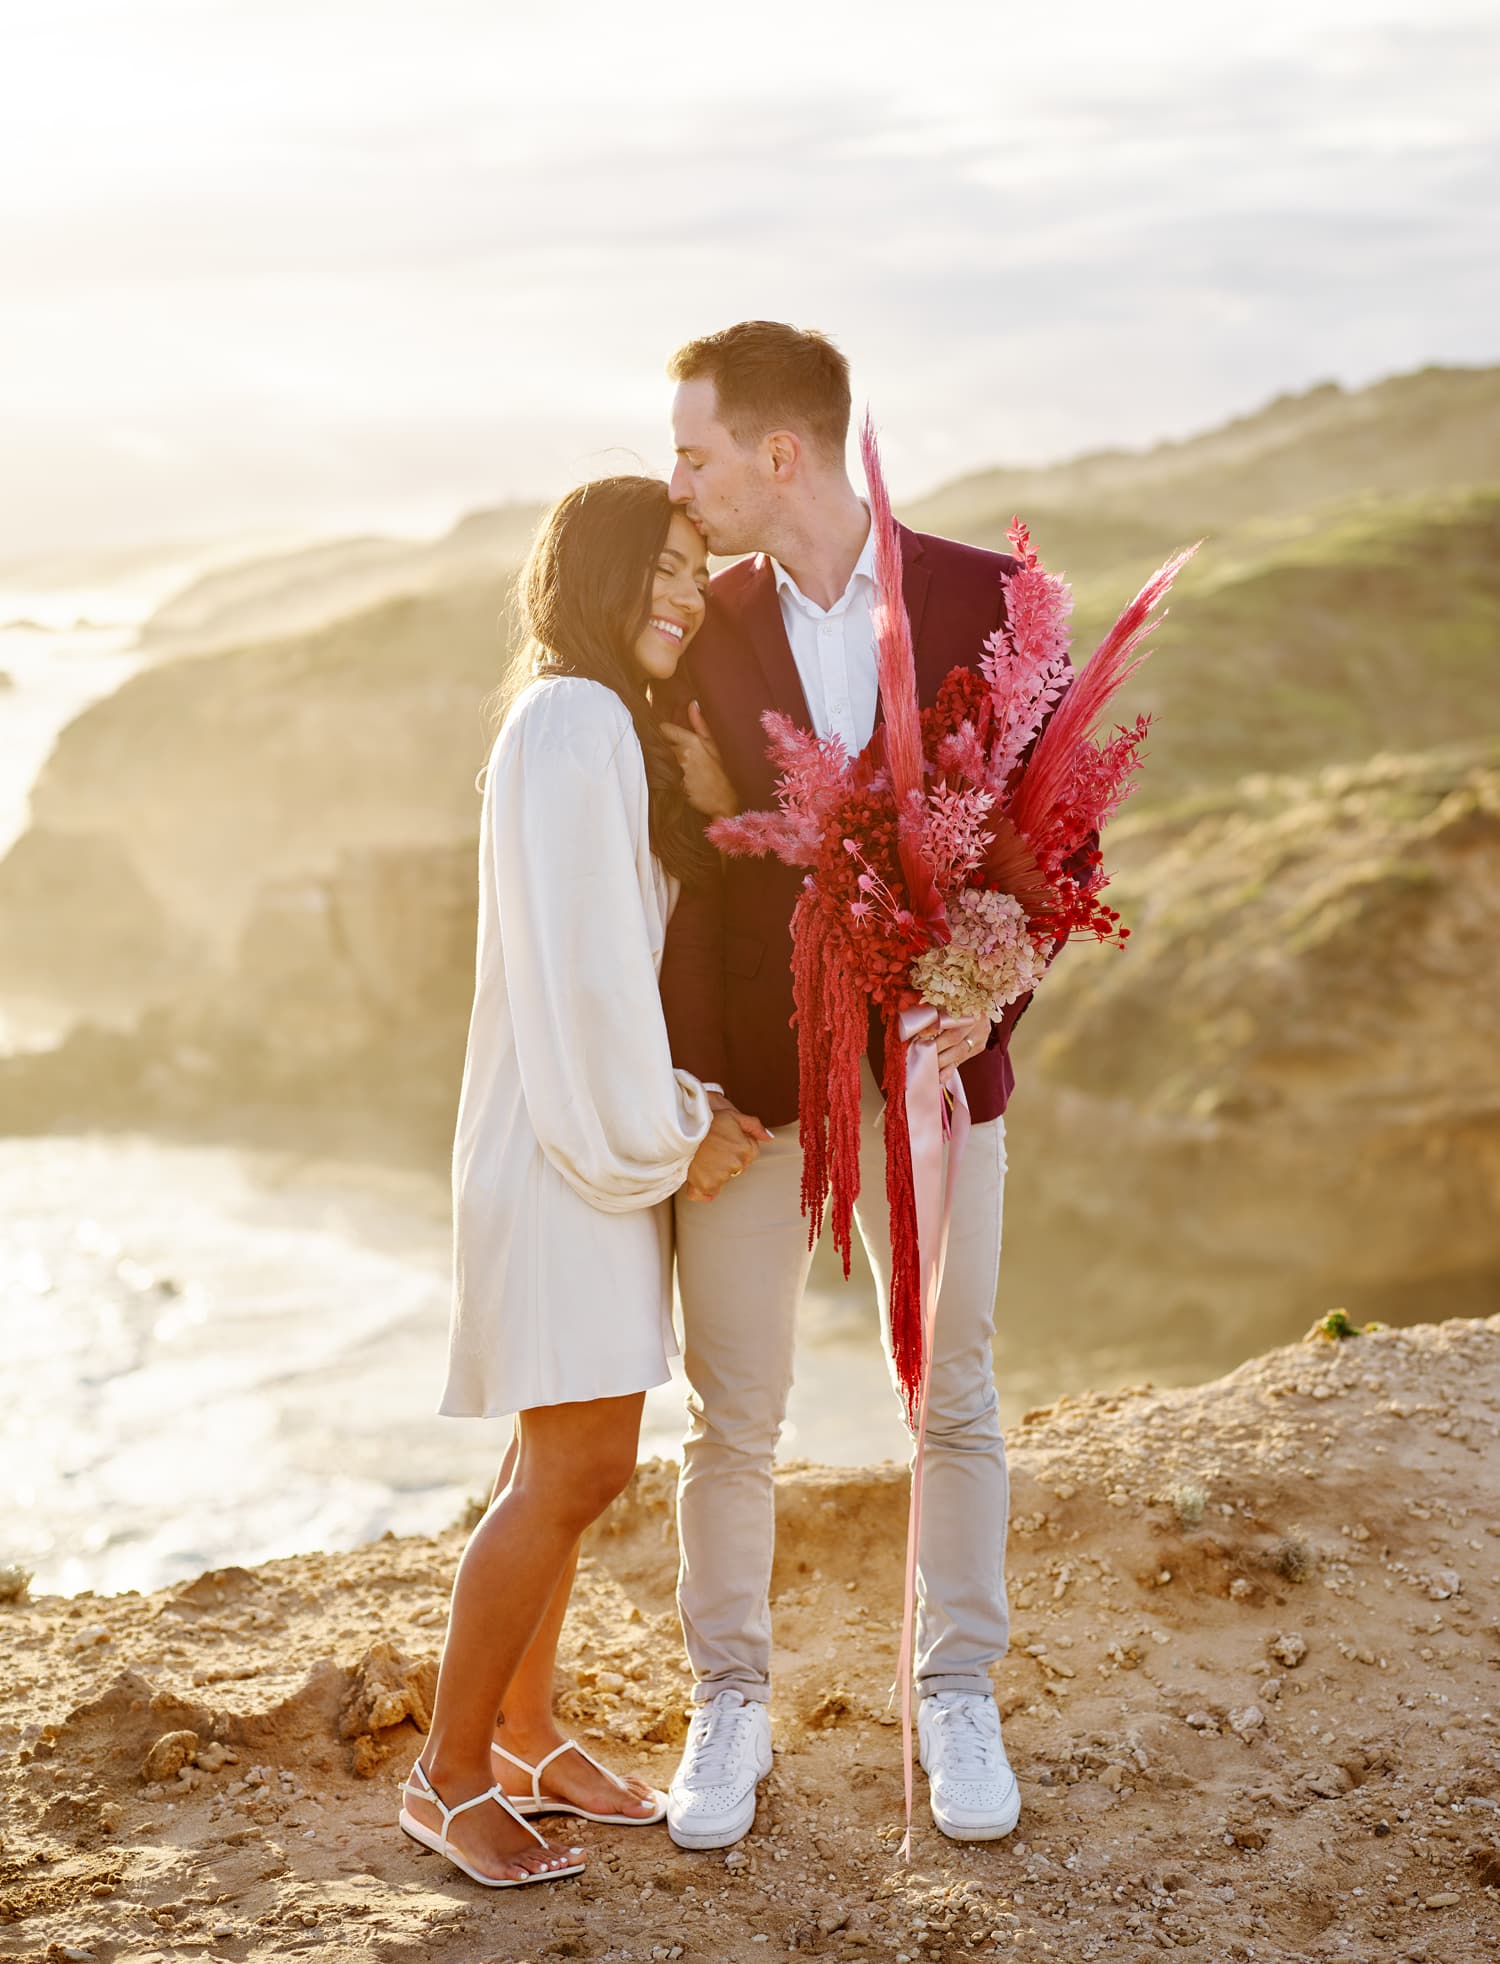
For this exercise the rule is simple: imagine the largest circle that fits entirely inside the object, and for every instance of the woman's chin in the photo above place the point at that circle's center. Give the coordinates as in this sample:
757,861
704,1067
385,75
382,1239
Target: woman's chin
658,662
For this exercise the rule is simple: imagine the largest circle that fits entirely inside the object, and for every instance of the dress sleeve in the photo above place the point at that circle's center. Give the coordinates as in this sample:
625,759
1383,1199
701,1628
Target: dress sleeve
567,815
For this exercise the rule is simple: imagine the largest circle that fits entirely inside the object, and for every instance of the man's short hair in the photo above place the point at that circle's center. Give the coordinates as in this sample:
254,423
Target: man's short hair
768,376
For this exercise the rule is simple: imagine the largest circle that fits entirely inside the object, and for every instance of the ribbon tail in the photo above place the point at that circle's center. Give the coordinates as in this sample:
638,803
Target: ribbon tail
928,1119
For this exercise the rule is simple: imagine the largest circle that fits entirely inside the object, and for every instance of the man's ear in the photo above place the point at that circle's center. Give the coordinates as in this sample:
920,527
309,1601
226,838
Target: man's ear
784,451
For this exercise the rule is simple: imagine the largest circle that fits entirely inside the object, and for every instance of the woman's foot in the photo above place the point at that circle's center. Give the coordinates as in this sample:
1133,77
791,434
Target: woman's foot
490,1840
572,1777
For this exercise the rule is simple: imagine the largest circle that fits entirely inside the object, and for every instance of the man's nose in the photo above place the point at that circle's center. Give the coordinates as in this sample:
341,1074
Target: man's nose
677,490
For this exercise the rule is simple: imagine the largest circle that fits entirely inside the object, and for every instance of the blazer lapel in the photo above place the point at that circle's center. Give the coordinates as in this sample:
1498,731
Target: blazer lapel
915,580
760,616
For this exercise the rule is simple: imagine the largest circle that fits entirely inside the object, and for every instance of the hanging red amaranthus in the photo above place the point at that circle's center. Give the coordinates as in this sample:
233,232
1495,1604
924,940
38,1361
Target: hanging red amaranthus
946,864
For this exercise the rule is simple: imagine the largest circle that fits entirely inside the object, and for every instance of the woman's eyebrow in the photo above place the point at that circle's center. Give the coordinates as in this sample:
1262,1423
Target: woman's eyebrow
671,552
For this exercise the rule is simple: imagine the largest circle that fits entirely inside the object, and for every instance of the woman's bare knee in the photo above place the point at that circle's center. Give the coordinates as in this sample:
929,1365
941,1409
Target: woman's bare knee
576,1459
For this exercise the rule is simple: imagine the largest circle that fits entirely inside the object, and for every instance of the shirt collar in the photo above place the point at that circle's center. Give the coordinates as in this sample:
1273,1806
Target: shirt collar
864,569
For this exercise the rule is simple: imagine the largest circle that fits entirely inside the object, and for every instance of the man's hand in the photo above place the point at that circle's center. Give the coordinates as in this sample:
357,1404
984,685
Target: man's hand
703,775
958,1039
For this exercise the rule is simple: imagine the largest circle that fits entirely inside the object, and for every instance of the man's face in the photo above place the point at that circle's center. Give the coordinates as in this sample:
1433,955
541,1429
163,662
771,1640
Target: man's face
721,486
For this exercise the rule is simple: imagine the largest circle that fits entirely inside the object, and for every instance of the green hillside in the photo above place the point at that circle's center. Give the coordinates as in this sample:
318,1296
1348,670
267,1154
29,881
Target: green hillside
1435,431
1325,941
1380,630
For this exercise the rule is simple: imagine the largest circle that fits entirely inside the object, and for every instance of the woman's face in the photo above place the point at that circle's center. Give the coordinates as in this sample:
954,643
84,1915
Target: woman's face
678,597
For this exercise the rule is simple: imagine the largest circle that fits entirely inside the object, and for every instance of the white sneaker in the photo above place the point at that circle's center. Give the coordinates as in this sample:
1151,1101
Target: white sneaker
974,1792
711,1802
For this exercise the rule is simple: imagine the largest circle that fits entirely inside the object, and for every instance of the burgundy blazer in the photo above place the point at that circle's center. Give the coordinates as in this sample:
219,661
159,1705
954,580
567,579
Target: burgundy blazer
726,978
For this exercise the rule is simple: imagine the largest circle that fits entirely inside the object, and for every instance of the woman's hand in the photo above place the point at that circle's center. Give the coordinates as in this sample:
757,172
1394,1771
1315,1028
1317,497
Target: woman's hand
732,1142
704,777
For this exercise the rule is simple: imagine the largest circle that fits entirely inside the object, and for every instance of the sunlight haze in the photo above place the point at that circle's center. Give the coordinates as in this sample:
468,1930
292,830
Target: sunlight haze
329,264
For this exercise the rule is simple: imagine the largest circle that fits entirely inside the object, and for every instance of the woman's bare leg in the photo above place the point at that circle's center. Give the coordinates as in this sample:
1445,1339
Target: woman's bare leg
571,1462
528,1728
526,1725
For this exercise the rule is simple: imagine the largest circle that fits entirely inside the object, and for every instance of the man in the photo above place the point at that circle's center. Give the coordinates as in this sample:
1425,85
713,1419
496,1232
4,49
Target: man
760,424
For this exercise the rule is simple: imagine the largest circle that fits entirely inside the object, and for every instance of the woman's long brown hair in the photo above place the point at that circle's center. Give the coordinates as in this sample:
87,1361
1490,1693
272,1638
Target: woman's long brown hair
585,597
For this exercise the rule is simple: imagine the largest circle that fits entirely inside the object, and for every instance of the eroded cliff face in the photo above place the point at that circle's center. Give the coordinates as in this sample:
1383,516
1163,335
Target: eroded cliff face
1286,1091
339,1019
77,921
168,810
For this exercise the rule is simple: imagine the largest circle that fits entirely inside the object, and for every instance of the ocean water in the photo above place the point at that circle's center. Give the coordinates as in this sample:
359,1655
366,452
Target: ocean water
216,1356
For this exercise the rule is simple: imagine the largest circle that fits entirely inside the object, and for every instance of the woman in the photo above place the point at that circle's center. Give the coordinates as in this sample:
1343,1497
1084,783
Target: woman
573,1132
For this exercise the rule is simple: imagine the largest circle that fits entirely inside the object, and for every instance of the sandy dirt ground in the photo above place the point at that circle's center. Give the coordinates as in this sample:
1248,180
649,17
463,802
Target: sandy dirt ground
1251,1696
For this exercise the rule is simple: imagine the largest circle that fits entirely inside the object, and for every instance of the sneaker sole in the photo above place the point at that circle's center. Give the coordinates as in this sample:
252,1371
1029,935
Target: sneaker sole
740,1824
989,1831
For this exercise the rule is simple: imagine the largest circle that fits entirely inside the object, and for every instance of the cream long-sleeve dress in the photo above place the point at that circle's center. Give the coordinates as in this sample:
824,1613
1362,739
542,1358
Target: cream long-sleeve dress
574,1129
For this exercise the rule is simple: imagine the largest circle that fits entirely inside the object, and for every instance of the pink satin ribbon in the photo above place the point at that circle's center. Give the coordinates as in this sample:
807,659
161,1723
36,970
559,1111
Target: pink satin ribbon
934,1197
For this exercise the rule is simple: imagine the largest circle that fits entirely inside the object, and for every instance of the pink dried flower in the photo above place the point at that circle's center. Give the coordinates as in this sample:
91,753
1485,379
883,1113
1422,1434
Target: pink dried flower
1076,717
962,755
813,774
991,961
956,837
1026,664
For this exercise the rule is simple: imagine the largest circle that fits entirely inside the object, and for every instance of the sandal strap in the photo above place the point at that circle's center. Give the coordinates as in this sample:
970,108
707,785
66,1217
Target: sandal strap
572,1746
428,1792
525,1766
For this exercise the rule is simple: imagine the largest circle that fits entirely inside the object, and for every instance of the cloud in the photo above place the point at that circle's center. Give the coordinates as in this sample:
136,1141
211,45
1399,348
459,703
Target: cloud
1024,253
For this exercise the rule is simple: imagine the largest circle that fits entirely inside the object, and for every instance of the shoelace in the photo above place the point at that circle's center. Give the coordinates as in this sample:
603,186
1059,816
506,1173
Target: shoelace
714,1741
968,1744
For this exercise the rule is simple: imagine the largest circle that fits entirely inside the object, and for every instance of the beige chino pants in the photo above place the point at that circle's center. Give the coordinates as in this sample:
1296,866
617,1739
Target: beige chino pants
742,1264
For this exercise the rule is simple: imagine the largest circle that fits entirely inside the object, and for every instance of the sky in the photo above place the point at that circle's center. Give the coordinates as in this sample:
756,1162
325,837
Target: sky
317,264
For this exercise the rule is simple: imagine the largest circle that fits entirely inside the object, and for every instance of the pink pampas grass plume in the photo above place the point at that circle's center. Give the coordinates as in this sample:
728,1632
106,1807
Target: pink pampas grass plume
1076,717
897,670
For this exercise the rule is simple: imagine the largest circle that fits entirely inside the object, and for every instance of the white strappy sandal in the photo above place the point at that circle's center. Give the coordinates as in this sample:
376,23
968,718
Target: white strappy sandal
417,1784
536,1802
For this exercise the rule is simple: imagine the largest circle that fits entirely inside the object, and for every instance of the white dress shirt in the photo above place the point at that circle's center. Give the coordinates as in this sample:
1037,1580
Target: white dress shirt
834,650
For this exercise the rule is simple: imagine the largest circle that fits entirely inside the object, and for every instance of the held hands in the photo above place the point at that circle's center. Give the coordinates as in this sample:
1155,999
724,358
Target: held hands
732,1142
704,778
